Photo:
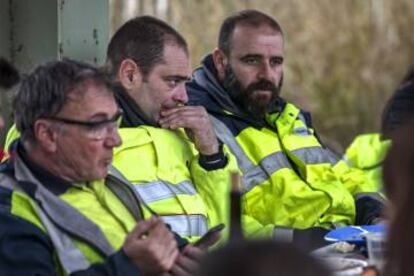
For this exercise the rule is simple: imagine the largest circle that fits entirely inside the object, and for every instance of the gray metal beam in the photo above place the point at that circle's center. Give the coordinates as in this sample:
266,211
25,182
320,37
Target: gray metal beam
84,29
4,29
35,31
43,30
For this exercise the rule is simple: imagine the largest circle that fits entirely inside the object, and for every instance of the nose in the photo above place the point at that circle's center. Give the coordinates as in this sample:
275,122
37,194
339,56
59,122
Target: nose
180,94
113,139
265,71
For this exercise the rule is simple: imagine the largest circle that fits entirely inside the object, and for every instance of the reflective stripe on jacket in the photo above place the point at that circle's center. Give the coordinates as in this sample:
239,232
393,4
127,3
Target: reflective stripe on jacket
86,224
291,180
215,197
276,193
161,165
164,168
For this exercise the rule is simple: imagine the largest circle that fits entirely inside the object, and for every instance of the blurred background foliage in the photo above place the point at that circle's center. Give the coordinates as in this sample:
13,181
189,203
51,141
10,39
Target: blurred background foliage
344,58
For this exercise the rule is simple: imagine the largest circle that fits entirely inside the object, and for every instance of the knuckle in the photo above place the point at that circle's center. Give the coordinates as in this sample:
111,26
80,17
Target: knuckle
174,243
170,236
202,111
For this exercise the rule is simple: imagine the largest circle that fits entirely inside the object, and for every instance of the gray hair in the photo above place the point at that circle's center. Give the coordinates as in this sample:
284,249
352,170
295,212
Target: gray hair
44,92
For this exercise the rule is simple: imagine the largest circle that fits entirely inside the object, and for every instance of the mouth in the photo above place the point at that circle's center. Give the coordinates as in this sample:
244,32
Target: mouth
262,94
260,91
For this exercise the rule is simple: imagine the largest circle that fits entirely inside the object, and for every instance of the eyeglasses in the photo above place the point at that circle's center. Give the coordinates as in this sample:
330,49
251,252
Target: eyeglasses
95,130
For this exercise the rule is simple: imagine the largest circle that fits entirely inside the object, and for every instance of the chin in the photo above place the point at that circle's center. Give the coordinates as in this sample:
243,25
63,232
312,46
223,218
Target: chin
97,175
103,174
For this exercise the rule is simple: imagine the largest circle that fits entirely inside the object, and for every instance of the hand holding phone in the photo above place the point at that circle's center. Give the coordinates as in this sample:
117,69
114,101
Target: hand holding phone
210,238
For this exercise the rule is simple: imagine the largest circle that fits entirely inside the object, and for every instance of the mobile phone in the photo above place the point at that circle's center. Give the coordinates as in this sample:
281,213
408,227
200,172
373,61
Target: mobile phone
210,238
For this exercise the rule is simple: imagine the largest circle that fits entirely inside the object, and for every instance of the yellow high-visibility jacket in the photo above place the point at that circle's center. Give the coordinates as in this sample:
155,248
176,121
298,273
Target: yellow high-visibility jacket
165,166
165,170
60,229
367,152
291,179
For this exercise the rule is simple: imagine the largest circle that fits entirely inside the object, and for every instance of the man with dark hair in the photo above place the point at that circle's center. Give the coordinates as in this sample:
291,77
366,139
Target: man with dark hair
143,40
185,183
61,212
291,180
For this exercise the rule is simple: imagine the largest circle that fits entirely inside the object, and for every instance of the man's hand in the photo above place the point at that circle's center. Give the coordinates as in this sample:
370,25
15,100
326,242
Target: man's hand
151,246
194,119
210,238
187,262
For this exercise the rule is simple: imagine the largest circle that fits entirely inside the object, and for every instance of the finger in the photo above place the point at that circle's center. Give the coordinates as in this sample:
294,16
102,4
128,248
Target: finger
159,230
184,112
194,253
171,259
177,119
142,227
172,248
167,112
163,237
180,113
212,239
193,121
186,263
178,270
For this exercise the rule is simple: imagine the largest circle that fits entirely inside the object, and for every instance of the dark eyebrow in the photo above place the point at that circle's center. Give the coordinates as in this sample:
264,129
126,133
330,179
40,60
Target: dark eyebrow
177,77
251,56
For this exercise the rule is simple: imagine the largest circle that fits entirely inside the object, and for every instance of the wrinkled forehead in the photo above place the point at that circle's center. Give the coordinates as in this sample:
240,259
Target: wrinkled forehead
175,59
90,98
88,88
253,38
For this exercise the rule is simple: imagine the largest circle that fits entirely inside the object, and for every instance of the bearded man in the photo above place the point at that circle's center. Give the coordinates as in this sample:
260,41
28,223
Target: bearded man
291,180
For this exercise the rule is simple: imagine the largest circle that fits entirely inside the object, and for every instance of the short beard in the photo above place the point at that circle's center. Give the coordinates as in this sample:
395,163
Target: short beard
246,98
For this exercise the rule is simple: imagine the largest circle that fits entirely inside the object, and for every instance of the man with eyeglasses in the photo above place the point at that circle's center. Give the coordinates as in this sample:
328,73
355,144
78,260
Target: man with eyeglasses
170,151
61,212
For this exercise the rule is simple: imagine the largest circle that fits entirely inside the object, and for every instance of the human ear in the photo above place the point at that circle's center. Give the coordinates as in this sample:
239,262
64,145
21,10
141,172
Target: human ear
129,74
45,135
220,62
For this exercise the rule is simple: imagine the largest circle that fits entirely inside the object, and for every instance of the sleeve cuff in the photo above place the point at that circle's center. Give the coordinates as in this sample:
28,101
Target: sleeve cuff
125,264
215,161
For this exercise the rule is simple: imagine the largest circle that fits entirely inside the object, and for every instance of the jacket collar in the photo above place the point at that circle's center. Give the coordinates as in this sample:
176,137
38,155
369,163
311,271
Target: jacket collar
133,115
29,174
